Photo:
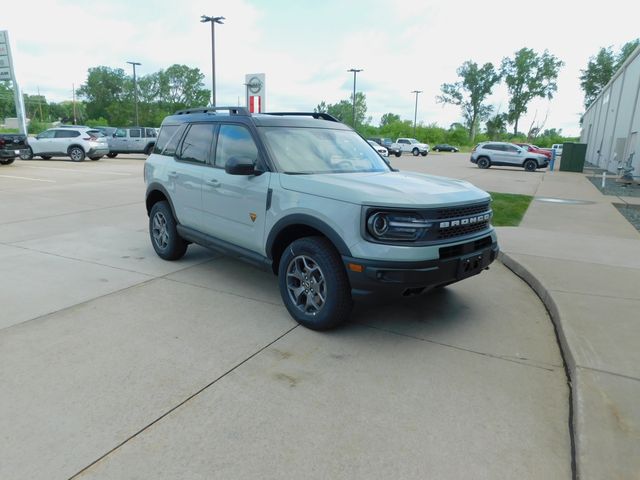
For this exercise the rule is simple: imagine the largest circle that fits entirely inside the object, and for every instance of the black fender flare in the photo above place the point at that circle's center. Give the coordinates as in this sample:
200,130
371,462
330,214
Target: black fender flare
309,221
157,187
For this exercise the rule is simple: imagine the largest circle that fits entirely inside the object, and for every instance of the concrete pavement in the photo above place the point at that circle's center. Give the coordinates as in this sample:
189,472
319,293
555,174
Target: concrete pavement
584,262
116,364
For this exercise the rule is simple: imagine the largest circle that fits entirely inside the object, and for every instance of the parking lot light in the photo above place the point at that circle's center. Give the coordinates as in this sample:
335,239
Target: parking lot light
213,21
415,112
135,88
355,72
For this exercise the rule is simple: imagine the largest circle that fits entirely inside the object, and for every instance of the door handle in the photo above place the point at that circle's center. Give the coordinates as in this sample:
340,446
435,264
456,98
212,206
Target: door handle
172,174
213,183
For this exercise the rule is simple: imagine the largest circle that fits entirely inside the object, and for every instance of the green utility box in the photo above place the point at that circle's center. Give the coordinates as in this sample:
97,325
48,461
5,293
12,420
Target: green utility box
573,155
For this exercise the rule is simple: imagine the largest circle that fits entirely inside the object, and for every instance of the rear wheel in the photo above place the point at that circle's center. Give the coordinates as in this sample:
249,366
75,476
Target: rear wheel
313,284
483,162
530,165
165,239
45,157
27,154
415,152
149,149
77,154
112,155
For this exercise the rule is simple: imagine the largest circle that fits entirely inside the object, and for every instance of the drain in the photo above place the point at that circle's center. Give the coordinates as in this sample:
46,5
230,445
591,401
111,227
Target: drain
563,201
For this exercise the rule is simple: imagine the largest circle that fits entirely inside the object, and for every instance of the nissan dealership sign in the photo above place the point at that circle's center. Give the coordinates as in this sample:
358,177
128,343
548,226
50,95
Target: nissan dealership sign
255,91
7,74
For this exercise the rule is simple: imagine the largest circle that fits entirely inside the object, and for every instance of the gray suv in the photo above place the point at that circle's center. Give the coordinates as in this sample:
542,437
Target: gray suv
307,198
506,154
132,140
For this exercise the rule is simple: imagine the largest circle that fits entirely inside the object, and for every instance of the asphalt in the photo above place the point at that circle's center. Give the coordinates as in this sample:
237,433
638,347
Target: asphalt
583,260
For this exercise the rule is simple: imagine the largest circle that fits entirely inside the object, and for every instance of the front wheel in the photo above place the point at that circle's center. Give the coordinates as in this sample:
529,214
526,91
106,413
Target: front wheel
77,154
314,284
415,152
7,161
530,165
398,154
96,158
112,155
165,239
424,154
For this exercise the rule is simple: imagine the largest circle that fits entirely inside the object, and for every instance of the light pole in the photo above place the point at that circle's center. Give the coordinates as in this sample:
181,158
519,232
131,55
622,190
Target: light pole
415,112
355,72
135,88
213,20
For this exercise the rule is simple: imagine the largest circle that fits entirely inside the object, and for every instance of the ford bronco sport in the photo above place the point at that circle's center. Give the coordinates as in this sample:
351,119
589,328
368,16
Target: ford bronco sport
307,198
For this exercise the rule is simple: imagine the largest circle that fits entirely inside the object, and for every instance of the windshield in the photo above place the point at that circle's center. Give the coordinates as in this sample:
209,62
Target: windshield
321,150
413,140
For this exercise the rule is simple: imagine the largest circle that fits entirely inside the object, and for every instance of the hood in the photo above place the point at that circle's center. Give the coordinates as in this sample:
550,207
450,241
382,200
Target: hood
387,189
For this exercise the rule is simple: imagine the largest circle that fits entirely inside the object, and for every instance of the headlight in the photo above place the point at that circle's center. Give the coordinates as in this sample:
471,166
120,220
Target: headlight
399,226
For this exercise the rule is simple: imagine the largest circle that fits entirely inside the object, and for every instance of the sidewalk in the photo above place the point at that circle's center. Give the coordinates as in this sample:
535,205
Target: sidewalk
583,260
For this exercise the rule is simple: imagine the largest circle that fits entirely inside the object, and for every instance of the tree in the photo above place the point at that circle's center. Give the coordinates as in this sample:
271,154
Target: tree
496,126
321,108
343,110
528,76
601,69
388,118
106,88
470,93
181,87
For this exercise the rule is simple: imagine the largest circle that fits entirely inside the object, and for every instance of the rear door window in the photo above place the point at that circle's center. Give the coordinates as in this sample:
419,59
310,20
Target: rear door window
168,139
67,133
134,133
196,146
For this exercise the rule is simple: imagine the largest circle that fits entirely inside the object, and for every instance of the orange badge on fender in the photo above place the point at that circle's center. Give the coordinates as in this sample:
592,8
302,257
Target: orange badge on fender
253,217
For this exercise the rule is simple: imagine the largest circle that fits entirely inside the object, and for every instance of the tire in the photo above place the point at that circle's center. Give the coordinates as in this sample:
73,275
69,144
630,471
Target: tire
7,161
530,165
436,150
415,152
112,155
398,154
484,162
45,157
314,263
424,154
77,154
149,149
163,233
28,155
96,158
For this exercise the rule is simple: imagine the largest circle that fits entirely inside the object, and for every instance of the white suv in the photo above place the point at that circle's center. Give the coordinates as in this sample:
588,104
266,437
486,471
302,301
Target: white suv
414,146
307,198
74,142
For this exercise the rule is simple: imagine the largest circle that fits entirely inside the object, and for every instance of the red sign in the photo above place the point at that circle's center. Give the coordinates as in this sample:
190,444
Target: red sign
255,104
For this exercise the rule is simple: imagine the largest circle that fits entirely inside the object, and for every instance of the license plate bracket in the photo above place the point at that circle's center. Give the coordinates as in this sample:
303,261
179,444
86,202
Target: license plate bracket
471,264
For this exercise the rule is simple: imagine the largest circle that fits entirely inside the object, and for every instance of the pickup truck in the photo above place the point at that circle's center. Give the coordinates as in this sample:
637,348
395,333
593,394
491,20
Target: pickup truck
12,145
414,146
132,140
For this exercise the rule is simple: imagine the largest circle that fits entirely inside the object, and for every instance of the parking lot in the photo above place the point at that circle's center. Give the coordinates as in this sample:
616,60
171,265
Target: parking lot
117,364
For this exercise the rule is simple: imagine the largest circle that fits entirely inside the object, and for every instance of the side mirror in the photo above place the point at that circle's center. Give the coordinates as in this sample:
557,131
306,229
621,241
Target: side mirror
240,166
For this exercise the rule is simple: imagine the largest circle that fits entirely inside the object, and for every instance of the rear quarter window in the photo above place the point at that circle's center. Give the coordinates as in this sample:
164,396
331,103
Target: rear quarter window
168,139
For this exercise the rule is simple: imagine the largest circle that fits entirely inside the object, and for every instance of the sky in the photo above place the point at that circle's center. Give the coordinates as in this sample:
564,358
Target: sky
305,47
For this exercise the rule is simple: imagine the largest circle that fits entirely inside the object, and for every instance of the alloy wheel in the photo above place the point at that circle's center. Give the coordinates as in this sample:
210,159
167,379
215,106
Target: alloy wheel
306,284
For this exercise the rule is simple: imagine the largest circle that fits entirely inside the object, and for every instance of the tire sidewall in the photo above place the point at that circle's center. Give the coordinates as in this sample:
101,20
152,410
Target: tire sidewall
530,162
415,152
176,246
338,302
81,157
484,163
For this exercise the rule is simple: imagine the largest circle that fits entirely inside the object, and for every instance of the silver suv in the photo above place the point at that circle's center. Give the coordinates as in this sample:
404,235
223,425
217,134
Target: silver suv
487,154
308,199
73,141
132,140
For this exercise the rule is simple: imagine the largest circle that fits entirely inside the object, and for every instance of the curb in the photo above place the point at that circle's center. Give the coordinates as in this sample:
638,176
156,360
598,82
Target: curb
567,356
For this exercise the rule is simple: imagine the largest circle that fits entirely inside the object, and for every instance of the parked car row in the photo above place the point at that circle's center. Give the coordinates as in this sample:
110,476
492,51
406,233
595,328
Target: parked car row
79,142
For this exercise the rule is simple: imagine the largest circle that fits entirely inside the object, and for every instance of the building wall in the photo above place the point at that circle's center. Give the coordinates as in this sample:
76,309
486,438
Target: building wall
610,126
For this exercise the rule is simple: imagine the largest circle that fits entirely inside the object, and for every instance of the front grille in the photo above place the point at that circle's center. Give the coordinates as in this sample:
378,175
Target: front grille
463,211
452,232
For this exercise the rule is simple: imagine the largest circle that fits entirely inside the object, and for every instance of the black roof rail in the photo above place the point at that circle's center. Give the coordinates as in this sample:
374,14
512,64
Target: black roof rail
316,115
232,110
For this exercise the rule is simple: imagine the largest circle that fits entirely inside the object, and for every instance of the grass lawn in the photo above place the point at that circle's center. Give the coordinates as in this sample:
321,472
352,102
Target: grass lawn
508,208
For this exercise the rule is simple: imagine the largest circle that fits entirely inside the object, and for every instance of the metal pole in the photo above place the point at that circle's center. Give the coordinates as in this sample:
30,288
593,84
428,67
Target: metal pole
213,64
415,111
135,89
353,114
73,86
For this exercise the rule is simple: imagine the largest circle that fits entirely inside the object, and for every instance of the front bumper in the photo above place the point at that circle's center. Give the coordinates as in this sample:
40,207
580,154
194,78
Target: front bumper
389,278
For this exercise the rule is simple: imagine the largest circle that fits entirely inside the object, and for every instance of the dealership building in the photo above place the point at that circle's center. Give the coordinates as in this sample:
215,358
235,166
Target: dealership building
611,123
